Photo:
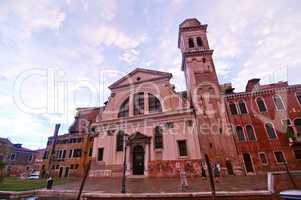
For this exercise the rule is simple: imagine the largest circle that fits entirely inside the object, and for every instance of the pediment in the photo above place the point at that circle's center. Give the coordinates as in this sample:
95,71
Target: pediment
138,136
140,75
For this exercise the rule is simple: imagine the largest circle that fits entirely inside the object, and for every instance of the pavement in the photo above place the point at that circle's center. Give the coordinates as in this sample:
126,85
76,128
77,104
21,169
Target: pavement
172,185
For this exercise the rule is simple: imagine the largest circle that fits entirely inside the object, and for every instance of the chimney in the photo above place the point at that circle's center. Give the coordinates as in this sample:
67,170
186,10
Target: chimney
56,130
18,146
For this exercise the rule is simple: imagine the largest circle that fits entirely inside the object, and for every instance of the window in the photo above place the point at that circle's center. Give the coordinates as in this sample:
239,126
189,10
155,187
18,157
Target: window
158,138
169,125
233,108
124,109
190,43
119,141
297,123
240,133
76,166
278,102
261,105
60,154
71,166
189,123
279,157
77,153
13,156
139,103
250,133
242,107
70,153
57,167
297,154
270,130
154,104
182,147
298,95
29,157
45,155
100,154
64,154
199,42
263,158
90,152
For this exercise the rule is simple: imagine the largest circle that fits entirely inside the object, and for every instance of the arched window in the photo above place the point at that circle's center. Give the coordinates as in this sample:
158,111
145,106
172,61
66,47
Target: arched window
250,133
158,137
199,42
242,107
154,104
190,43
270,130
298,95
278,102
124,109
119,141
297,123
261,104
139,103
233,108
240,133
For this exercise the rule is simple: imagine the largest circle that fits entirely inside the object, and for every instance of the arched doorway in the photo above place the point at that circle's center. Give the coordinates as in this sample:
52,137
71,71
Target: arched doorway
138,160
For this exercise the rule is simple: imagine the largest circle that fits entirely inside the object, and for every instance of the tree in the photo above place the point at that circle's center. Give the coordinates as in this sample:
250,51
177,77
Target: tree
4,153
2,166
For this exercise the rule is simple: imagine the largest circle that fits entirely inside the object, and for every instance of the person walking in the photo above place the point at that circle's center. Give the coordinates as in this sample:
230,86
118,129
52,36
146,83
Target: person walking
203,173
216,171
183,178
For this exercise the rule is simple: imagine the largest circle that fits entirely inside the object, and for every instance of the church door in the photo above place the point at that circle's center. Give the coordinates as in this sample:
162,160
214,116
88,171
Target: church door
138,160
229,167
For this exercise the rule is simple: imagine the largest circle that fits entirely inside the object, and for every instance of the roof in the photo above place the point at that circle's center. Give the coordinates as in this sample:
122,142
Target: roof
16,146
158,74
87,113
190,22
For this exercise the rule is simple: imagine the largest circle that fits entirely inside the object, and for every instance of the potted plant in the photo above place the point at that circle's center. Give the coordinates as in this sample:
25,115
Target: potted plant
290,136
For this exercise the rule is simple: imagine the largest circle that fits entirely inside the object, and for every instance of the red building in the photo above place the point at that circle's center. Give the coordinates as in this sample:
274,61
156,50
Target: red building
267,123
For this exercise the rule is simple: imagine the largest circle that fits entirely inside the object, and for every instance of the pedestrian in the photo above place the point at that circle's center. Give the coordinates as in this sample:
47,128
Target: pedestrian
183,178
216,171
203,173
49,183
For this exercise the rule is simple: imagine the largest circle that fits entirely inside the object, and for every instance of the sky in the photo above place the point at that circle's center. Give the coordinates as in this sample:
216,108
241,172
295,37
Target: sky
57,55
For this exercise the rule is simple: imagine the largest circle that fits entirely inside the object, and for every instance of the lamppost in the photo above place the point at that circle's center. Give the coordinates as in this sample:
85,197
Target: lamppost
125,142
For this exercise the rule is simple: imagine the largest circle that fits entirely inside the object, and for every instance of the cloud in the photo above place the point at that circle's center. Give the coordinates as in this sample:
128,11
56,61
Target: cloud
19,19
252,41
110,36
130,56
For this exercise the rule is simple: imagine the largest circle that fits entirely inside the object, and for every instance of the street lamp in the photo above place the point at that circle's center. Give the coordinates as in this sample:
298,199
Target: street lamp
125,142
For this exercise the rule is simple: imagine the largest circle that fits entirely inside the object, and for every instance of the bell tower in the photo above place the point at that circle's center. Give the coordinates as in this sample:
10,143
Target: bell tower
204,94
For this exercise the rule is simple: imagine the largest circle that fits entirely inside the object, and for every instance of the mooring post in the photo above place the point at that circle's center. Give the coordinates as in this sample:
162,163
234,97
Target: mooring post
84,180
212,186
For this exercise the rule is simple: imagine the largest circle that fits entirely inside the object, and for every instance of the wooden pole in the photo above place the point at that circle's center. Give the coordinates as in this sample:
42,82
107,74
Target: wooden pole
84,180
212,186
290,176
52,151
